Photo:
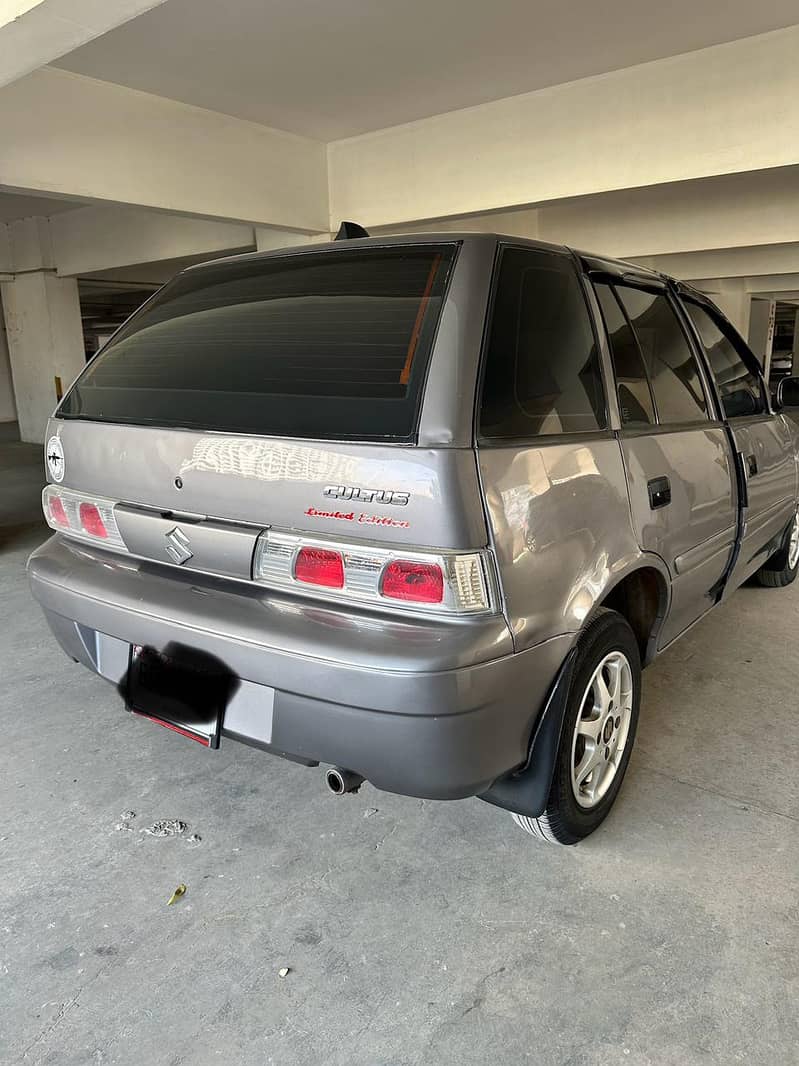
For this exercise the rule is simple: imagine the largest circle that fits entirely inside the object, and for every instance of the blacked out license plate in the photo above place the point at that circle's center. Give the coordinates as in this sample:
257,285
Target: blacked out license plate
180,688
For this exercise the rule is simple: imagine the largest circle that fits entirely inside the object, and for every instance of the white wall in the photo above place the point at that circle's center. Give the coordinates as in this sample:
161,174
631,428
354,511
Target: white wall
720,110
45,338
8,409
99,238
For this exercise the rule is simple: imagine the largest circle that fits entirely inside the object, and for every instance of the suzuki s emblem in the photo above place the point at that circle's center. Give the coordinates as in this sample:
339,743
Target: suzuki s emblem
178,548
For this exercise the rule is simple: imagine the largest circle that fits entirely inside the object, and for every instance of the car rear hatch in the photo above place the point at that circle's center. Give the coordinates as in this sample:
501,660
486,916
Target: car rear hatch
260,417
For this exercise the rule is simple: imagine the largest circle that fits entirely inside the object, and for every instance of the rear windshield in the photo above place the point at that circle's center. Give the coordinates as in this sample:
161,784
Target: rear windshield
322,345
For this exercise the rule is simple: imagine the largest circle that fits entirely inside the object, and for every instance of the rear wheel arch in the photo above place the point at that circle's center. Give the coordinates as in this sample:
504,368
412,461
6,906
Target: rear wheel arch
641,596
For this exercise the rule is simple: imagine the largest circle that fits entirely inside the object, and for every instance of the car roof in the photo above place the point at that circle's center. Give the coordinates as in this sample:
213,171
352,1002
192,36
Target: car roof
605,264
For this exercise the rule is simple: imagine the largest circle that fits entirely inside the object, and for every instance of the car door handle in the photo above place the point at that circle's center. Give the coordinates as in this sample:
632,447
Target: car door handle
751,464
659,492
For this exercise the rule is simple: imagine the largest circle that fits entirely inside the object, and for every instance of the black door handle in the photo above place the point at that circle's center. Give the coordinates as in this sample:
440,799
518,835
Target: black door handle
751,464
659,492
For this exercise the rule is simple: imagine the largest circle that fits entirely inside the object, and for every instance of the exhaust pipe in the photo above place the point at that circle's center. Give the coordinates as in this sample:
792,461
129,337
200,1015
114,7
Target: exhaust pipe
340,781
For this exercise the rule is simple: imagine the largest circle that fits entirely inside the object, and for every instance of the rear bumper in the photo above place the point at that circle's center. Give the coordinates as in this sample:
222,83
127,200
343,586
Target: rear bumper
431,709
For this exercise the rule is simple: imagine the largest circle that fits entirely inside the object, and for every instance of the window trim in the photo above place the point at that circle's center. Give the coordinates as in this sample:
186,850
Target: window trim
671,427
534,440
683,296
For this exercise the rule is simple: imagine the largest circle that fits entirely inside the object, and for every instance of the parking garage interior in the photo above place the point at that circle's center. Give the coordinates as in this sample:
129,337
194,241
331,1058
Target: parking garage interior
143,137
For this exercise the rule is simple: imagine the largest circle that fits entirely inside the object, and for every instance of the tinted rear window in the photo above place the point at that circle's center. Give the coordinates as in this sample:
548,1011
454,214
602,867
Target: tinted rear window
325,345
542,368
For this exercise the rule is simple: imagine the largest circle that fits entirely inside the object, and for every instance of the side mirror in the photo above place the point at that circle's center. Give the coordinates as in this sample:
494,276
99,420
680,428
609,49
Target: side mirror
787,392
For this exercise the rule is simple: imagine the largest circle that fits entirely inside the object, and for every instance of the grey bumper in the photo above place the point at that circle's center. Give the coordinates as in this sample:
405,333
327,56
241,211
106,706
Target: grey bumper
432,709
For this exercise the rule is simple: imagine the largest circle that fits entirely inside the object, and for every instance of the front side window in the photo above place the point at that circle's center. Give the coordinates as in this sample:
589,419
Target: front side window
671,365
542,369
732,364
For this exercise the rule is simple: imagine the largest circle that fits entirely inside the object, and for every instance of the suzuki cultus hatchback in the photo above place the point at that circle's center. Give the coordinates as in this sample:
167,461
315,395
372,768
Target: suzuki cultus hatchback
418,509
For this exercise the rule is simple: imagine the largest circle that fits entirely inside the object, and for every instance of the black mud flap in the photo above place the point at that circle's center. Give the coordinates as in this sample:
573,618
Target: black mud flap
526,791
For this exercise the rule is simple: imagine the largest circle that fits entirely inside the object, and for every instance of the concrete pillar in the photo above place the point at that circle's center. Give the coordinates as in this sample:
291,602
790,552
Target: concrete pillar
8,409
761,331
736,304
45,341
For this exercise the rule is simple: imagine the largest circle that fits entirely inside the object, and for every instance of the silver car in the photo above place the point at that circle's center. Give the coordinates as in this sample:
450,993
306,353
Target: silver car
419,509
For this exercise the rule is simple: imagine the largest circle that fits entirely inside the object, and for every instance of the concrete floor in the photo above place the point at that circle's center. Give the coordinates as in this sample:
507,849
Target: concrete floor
421,933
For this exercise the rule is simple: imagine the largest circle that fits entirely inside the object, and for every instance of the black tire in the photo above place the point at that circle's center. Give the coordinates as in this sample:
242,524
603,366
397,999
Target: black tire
564,820
777,572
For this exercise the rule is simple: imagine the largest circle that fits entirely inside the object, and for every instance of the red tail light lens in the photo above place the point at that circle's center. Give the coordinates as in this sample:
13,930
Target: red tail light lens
91,520
416,582
57,512
319,566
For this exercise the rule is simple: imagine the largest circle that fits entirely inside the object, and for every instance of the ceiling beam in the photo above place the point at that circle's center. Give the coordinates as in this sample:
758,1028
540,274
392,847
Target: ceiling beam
35,32
772,284
728,262
64,134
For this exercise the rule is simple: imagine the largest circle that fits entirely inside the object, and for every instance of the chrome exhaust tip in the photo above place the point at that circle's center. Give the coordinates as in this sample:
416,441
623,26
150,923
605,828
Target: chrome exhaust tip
340,781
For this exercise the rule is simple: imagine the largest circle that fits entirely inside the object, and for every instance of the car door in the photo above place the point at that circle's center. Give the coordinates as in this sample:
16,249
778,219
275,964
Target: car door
676,449
763,439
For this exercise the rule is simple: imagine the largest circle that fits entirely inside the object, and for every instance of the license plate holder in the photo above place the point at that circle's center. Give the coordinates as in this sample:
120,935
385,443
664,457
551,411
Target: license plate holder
179,688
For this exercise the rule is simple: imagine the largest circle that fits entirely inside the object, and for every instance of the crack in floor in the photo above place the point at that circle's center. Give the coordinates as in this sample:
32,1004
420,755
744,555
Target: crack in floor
743,801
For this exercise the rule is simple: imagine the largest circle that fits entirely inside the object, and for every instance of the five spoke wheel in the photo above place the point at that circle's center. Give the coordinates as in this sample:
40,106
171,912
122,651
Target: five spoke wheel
602,728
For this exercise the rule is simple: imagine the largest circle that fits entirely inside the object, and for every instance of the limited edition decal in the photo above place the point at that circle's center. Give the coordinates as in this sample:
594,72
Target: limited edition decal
362,518
54,453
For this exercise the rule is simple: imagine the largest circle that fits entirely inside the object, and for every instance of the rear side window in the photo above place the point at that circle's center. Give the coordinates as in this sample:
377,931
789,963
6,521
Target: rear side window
733,365
635,397
671,365
542,370
319,345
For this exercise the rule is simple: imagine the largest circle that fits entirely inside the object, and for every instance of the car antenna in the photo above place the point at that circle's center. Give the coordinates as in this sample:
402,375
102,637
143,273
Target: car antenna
348,230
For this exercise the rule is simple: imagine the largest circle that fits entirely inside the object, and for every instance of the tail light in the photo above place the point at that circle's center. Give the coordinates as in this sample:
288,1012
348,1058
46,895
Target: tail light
320,566
446,583
413,582
57,513
91,521
87,518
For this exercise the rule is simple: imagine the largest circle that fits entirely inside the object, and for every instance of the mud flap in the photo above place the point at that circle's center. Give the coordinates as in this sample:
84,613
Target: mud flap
526,791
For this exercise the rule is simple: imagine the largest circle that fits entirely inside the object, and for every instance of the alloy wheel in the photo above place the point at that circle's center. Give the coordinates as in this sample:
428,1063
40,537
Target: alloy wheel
793,544
603,727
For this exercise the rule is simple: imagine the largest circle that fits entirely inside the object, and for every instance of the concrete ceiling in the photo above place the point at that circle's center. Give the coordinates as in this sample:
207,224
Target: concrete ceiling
332,70
14,205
